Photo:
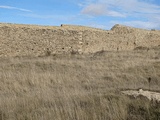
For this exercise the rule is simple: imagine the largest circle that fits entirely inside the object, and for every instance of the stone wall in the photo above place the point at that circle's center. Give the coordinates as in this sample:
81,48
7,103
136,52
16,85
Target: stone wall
32,40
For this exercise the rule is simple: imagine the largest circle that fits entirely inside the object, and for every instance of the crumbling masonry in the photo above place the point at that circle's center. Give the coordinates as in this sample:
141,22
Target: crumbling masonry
32,40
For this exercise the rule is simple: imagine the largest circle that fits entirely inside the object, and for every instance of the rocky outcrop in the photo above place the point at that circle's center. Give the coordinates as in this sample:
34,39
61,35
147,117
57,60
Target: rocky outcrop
32,40
155,96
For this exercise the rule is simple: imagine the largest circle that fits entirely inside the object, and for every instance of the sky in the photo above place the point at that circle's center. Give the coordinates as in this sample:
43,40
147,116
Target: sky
94,13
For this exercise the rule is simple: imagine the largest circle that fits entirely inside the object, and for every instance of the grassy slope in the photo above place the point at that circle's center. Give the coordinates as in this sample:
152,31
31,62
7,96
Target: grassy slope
79,87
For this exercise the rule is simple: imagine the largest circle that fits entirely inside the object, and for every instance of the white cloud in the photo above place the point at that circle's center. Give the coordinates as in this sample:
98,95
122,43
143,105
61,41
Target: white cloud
15,8
121,7
115,14
100,9
137,13
133,5
139,24
94,9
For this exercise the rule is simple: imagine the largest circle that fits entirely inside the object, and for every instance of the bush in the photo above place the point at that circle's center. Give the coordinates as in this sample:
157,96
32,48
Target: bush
48,52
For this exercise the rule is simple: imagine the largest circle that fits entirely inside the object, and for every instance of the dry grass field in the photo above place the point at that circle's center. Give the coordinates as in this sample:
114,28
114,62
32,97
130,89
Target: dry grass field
79,87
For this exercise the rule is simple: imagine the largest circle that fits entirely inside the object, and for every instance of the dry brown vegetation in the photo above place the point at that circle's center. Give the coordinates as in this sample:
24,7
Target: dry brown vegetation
79,87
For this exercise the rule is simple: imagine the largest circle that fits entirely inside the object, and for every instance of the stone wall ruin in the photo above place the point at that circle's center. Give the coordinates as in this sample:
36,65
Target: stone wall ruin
32,40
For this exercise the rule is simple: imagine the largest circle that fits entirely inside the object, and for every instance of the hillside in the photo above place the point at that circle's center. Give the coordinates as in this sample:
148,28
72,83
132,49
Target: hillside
79,73
80,87
33,40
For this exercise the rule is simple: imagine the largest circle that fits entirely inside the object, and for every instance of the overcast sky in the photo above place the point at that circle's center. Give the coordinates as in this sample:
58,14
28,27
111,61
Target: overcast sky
96,13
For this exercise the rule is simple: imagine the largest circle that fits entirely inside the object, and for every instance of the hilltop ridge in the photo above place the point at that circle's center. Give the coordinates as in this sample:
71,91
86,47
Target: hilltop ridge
35,40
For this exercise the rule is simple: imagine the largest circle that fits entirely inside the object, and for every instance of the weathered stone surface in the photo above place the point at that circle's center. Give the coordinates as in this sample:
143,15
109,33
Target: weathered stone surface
155,96
32,40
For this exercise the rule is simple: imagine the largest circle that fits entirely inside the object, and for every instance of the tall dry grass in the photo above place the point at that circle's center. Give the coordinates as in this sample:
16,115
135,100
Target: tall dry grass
78,87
